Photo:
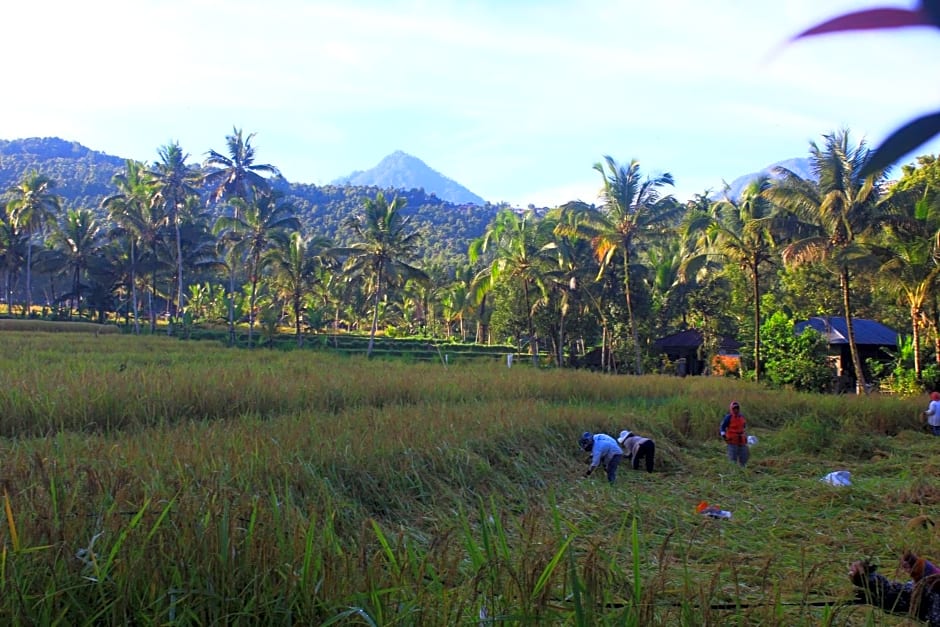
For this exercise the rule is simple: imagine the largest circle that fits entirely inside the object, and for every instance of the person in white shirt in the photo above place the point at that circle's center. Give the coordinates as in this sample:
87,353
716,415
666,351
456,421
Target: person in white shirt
636,448
933,413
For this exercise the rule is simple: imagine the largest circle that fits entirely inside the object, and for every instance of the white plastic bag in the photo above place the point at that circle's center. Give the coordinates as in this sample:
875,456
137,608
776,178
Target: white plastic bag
838,478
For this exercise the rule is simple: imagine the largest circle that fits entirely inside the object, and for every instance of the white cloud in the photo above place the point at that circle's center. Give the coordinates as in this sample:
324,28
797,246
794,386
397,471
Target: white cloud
583,190
508,98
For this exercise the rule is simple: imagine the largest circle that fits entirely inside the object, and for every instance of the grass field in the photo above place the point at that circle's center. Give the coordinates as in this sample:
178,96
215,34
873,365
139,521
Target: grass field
153,481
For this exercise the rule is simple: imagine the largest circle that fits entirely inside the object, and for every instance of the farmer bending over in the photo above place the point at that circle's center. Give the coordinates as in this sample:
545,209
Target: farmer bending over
636,448
919,597
604,450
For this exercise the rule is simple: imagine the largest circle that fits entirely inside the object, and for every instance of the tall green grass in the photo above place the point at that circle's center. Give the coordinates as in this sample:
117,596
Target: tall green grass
152,481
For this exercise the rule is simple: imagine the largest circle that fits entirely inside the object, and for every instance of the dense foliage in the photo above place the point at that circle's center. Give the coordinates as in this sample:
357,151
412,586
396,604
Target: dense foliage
229,241
796,361
84,178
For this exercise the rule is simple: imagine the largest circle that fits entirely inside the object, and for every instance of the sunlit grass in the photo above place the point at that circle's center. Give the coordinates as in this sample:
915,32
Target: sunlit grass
47,326
153,481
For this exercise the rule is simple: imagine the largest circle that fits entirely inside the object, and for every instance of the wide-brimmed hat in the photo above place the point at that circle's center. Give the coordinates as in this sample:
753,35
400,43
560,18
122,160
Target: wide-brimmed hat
623,436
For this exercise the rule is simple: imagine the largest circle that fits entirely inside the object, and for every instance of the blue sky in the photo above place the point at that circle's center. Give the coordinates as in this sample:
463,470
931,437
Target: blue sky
516,100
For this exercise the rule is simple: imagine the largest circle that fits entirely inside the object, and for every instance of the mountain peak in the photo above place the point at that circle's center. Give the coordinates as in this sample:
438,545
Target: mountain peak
800,166
399,170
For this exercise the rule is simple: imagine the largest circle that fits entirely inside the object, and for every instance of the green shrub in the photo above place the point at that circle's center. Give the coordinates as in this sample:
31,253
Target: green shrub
794,361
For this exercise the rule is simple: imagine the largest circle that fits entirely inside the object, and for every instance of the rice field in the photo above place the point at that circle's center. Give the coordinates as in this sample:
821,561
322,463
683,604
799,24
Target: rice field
154,481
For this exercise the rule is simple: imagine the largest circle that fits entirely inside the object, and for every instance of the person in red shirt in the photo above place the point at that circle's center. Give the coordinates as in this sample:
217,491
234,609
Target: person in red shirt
734,431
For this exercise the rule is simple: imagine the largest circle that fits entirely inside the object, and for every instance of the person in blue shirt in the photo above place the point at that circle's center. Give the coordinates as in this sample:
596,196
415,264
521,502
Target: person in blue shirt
604,451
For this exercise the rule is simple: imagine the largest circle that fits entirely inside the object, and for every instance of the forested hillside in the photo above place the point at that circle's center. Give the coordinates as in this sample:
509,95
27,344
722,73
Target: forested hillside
83,176
447,228
230,242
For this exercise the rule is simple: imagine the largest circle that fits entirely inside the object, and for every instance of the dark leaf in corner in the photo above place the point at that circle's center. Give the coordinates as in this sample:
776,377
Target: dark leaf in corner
902,141
871,19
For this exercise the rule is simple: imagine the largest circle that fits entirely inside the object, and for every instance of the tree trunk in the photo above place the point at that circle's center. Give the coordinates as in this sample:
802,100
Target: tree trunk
483,328
915,337
169,306
637,363
150,298
134,288
375,318
860,385
231,307
936,329
251,304
298,321
179,272
75,300
29,276
533,342
756,322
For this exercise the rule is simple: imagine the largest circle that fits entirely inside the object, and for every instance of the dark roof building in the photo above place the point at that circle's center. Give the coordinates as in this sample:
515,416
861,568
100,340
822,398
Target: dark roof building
873,339
683,348
867,332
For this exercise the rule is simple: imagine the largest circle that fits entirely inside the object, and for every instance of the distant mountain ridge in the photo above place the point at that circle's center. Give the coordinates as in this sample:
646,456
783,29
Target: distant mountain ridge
82,175
400,170
801,166
83,178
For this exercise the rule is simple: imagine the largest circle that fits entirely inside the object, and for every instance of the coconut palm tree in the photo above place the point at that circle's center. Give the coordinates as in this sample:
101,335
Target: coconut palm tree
741,231
480,284
125,210
78,239
520,254
33,206
295,269
421,301
236,175
909,246
13,246
914,202
253,227
632,210
571,269
174,183
456,302
384,249
912,272
836,212
143,221
664,280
